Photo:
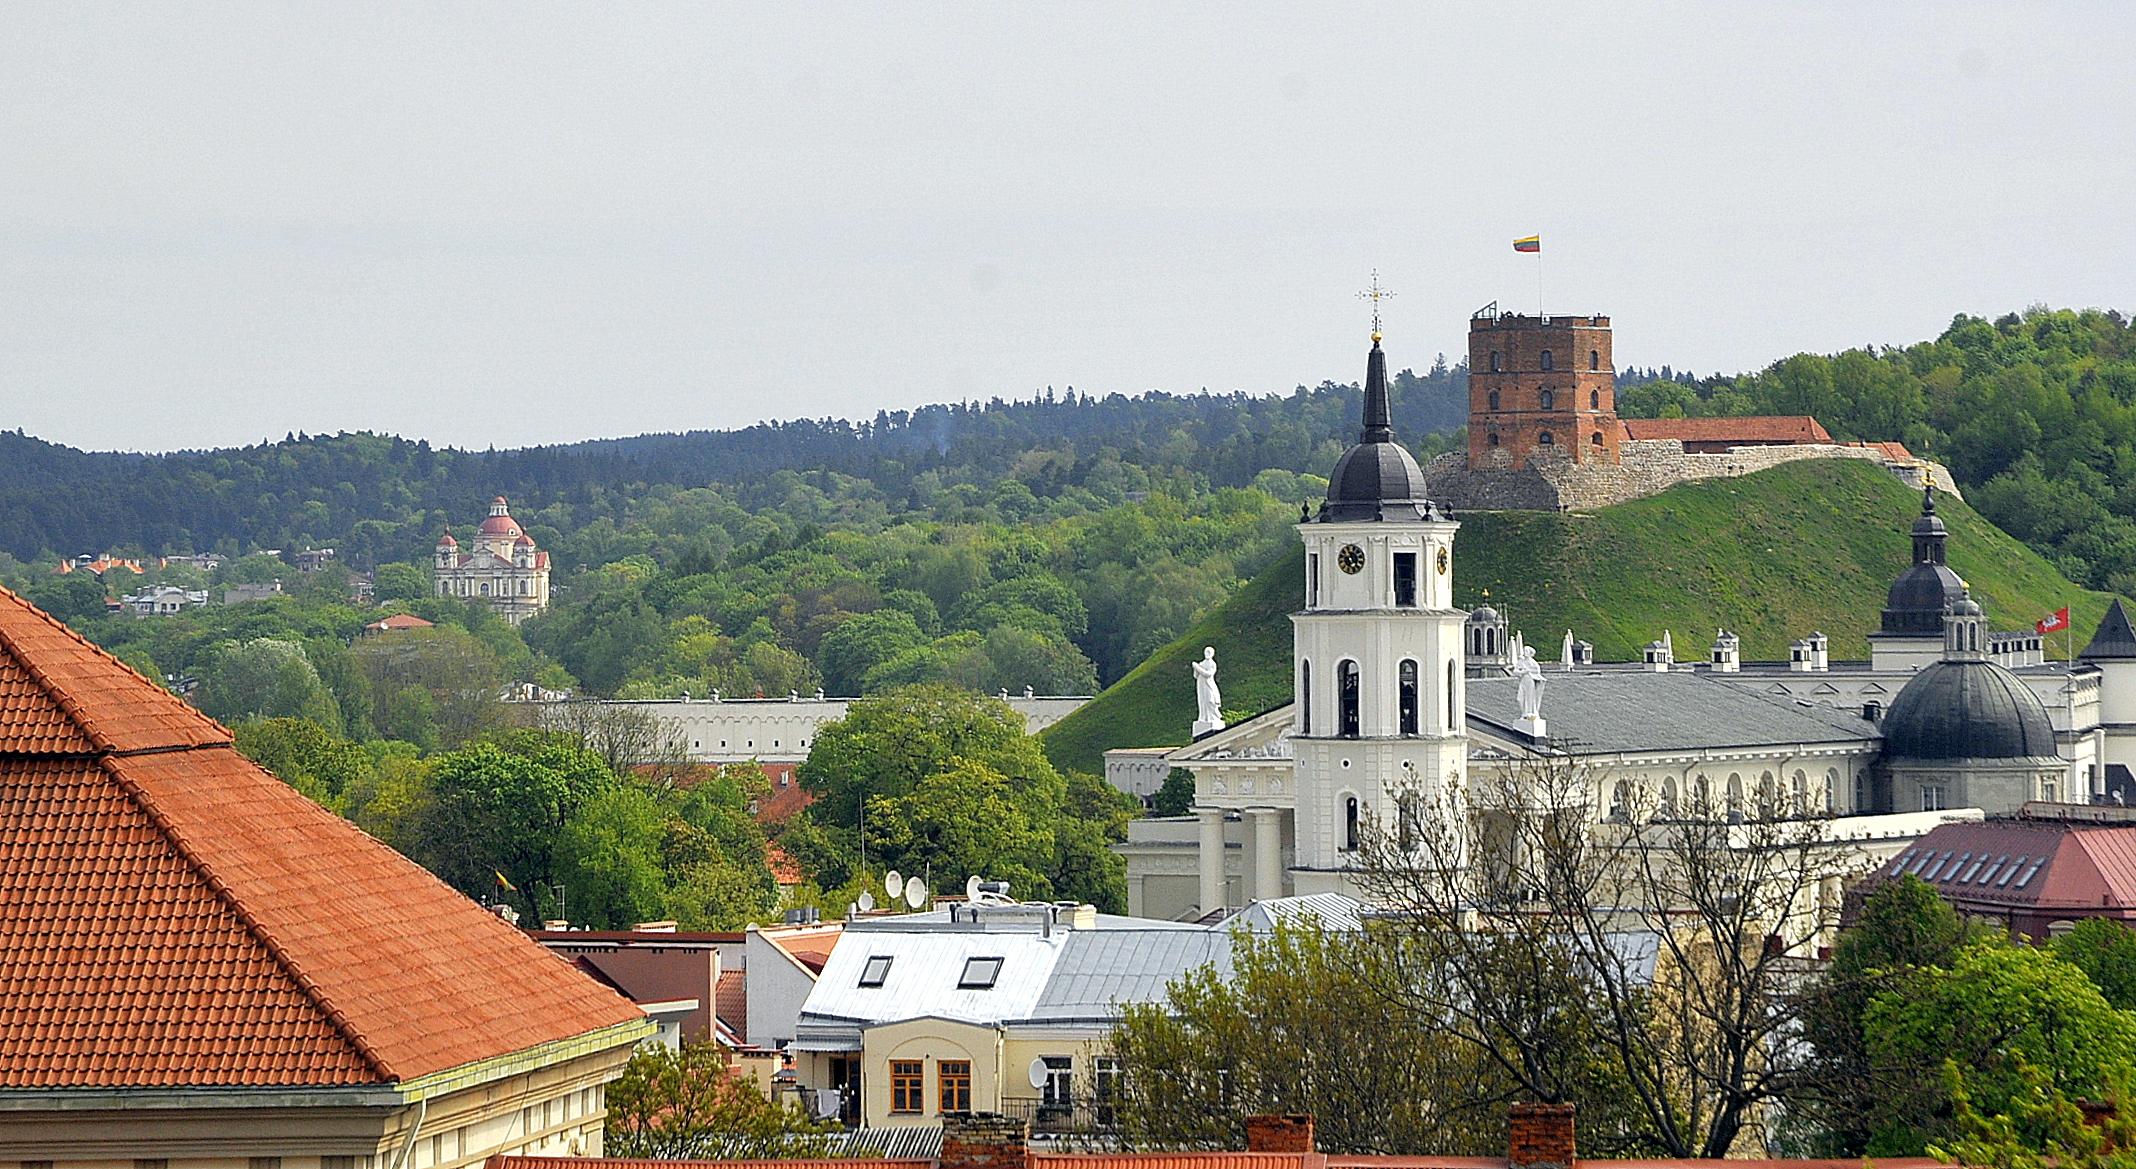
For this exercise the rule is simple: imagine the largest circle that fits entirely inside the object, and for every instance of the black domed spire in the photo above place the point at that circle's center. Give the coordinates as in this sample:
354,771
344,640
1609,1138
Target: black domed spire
1379,414
1378,479
1928,588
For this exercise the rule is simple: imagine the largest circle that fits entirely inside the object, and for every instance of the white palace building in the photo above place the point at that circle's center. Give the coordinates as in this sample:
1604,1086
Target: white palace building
1398,689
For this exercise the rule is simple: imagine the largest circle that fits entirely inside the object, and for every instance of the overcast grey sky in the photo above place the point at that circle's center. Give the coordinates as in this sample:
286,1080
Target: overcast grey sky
513,223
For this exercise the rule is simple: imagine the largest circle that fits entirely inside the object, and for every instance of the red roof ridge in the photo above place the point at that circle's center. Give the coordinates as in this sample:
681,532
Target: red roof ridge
238,909
63,696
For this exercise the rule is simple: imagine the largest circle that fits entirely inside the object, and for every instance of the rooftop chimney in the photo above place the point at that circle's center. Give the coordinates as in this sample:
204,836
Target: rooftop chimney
984,1140
1291,1132
1539,1136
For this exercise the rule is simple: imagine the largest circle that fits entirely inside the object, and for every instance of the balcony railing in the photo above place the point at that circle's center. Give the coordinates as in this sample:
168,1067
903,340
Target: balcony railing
1074,1117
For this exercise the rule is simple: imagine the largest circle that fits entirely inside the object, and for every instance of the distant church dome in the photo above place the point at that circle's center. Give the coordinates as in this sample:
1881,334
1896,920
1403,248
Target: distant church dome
1967,710
1928,589
500,521
1377,479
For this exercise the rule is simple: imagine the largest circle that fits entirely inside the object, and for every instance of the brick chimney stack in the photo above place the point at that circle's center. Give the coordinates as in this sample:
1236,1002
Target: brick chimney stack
1540,1136
984,1140
1289,1133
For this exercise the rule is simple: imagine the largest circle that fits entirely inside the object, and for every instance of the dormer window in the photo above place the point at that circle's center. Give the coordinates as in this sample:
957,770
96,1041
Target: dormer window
979,974
876,971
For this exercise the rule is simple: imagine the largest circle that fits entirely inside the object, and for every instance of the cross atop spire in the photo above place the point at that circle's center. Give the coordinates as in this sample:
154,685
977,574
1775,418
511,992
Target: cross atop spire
1376,293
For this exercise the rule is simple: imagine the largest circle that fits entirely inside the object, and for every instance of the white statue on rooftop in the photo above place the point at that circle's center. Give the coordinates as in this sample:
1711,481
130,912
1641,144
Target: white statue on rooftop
1208,700
1530,673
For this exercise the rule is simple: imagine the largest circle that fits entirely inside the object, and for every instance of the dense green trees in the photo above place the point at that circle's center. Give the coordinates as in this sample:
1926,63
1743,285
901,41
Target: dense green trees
2034,412
951,784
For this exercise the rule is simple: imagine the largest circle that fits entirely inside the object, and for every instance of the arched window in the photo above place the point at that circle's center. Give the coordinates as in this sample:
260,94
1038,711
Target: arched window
1668,799
1594,359
1545,439
1620,802
1549,362
1701,797
1408,683
1494,361
1453,678
1494,399
1346,700
1349,824
1799,791
1595,439
1735,798
1594,399
1409,820
1547,400
1305,698
1767,792
1494,440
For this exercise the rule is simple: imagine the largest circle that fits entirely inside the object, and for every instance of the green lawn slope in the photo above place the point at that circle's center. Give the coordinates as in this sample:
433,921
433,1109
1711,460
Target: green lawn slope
1773,556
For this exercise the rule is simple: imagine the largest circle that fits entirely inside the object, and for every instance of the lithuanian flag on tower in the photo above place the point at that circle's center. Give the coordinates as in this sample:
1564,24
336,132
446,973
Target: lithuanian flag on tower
1529,243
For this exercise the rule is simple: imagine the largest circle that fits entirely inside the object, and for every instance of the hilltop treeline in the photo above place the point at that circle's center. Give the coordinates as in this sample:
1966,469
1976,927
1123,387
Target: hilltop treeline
2035,413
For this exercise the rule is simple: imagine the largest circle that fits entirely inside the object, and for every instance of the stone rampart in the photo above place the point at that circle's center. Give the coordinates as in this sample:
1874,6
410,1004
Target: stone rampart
1553,482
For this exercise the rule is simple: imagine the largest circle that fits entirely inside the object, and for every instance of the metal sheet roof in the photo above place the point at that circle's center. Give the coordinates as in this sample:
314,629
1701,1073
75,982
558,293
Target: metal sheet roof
1099,970
1643,713
924,970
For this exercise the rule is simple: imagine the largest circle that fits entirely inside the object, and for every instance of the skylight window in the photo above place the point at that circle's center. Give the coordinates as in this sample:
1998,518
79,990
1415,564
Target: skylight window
2011,872
2027,878
1990,874
876,971
979,974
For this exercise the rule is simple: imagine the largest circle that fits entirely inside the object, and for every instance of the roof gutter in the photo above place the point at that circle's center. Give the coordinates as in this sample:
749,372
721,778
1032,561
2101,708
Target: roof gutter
387,1095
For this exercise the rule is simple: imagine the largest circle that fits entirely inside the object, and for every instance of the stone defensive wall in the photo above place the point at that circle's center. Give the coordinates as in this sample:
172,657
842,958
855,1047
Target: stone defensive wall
1553,482
781,730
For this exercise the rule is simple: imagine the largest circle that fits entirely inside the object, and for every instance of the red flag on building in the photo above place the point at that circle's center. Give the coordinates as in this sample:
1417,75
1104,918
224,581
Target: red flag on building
2053,622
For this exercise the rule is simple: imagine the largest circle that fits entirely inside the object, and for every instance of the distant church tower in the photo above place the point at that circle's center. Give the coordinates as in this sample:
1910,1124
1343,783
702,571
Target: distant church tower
1377,652
1540,385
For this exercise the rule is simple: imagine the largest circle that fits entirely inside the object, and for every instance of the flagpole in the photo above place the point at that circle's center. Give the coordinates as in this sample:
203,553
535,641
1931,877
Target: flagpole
1539,281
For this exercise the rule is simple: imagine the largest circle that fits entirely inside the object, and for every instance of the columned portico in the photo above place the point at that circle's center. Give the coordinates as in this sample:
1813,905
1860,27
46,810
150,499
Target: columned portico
1267,853
1211,856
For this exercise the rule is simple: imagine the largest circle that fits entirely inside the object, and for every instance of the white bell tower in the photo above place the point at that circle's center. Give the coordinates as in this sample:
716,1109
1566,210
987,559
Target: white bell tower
1377,658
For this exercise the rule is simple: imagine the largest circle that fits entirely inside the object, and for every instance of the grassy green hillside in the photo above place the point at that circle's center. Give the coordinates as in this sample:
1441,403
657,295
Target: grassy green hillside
1811,545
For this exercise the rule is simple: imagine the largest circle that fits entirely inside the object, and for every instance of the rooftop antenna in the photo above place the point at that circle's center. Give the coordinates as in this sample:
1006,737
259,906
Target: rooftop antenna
1375,293
893,884
915,893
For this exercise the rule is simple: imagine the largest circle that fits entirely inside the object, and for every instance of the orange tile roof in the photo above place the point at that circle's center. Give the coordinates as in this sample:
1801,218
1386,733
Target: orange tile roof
785,870
509,1161
1786,428
172,915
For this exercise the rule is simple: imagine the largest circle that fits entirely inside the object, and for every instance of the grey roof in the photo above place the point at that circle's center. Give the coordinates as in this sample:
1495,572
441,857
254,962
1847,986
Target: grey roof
1968,710
2115,638
1098,970
1333,911
1642,712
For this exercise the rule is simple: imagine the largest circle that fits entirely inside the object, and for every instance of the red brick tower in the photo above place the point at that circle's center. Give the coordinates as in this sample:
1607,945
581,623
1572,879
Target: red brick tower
1540,384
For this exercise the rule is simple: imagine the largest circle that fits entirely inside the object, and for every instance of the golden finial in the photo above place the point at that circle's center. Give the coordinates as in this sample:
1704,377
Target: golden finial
1376,294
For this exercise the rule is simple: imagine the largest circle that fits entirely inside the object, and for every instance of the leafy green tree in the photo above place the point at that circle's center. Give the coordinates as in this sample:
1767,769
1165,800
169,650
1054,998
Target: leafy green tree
399,581
887,743
608,858
690,1104
1996,1009
1176,796
1904,930
863,642
1299,1025
439,686
265,677
497,811
2105,950
307,756
963,821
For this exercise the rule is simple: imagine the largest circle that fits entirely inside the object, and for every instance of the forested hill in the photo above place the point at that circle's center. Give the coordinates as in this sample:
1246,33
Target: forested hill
380,498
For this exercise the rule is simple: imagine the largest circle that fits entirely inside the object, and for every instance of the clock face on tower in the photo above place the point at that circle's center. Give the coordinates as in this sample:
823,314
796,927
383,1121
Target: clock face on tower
1445,561
1351,559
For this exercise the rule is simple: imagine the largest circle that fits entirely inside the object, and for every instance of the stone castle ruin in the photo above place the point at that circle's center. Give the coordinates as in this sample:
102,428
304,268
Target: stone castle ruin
1543,431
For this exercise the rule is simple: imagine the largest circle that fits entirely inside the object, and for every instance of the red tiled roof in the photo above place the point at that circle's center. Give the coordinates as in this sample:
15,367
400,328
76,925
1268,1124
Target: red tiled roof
1786,428
507,1161
2035,863
1895,451
172,915
402,621
785,870
786,796
730,1001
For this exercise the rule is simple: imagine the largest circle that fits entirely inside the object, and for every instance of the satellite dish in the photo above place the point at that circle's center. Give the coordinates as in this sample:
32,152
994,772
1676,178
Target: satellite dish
971,887
866,902
1038,1072
893,884
915,893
